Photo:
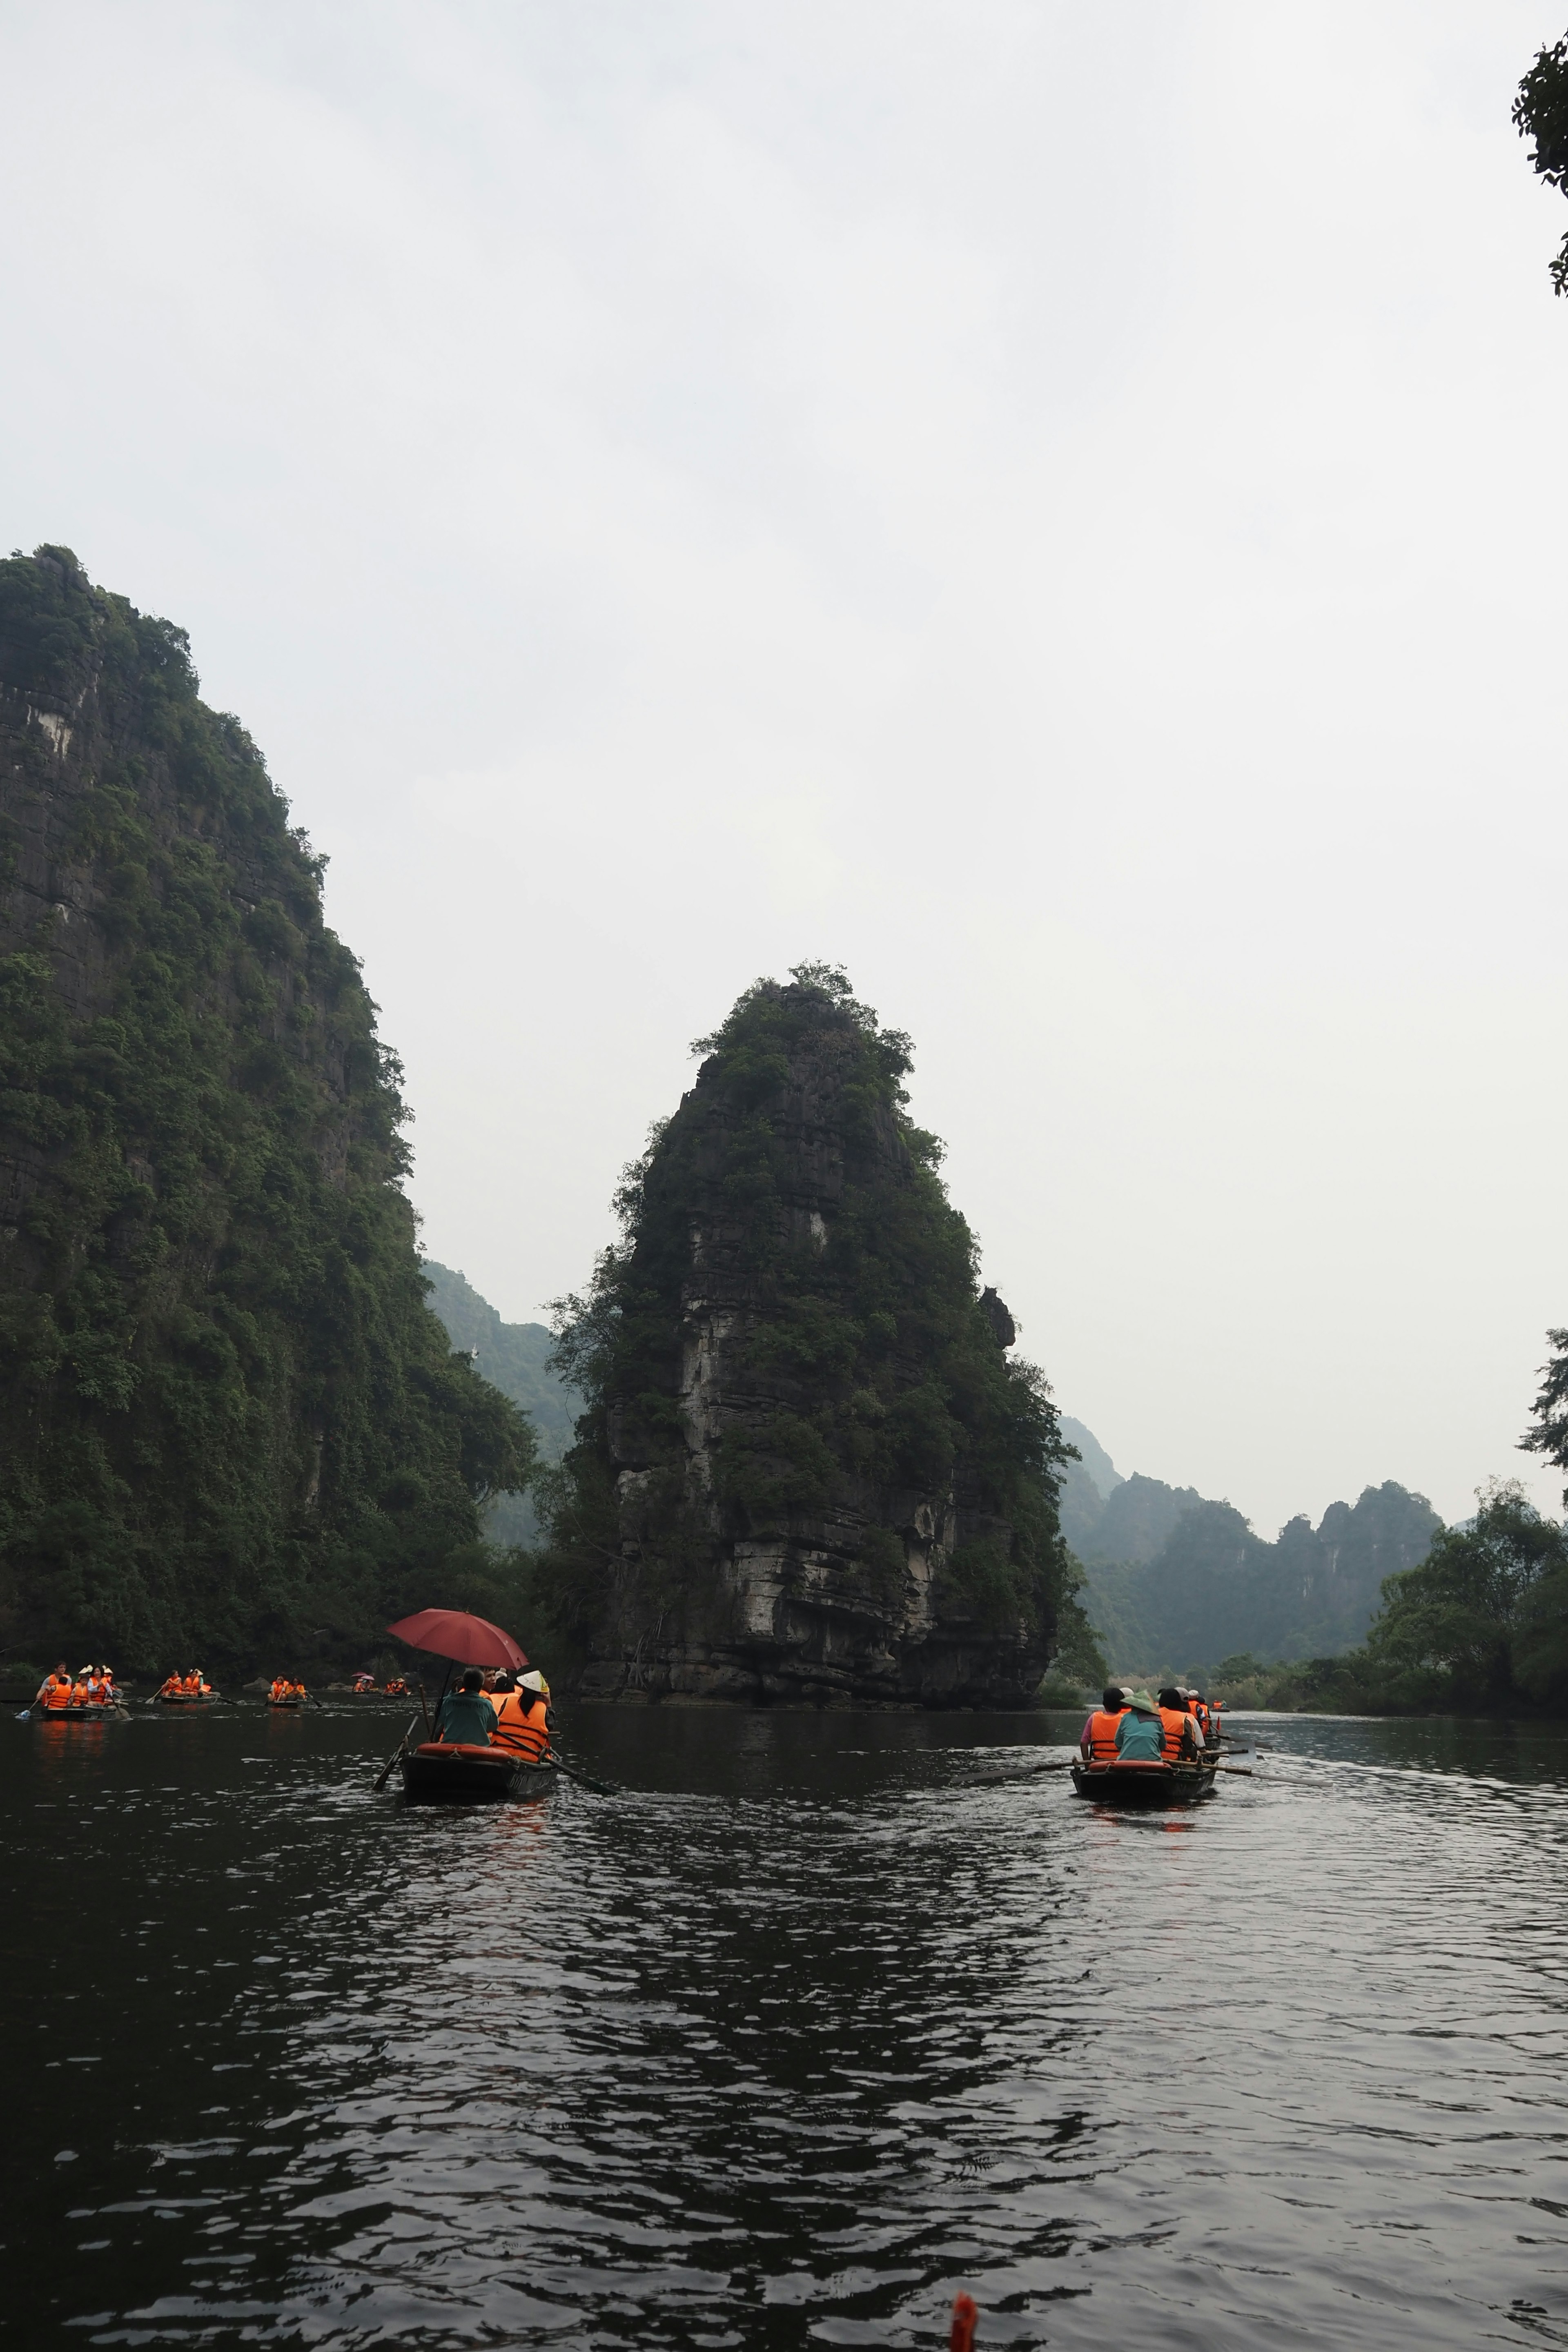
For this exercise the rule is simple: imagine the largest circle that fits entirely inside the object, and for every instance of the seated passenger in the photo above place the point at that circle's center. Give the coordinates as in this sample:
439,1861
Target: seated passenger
280,1688
1182,1737
466,1716
1141,1735
171,1686
523,1721
57,1692
1096,1744
81,1689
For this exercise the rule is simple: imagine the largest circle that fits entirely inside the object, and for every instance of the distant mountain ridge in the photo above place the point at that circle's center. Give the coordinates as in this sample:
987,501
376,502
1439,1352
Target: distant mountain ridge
1176,1580
514,1358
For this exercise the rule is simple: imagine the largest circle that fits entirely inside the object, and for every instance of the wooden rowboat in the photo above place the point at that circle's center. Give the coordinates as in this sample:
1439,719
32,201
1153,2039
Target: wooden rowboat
92,1713
454,1770
1145,1784
184,1698
285,1702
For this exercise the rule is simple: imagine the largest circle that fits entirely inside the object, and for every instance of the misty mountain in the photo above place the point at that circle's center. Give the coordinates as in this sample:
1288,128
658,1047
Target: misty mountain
1175,1579
513,1357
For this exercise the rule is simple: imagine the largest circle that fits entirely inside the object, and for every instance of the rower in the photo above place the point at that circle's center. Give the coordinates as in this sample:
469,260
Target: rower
1182,1736
1096,1744
57,1692
1198,1708
466,1716
523,1721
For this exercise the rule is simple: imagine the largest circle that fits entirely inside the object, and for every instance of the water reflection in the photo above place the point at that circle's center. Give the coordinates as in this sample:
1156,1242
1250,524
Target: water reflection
785,2043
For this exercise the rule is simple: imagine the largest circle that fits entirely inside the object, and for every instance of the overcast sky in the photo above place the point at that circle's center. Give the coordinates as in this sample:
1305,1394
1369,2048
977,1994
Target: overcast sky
1060,507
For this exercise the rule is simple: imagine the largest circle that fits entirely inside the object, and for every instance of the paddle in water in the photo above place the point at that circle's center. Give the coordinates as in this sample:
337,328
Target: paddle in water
384,1775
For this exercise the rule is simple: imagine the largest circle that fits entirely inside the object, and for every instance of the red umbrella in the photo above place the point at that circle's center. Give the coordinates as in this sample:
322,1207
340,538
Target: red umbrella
470,1641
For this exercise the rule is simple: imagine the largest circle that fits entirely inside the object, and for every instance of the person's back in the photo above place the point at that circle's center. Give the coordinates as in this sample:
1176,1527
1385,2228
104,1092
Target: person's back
1097,1741
523,1721
466,1718
1140,1737
59,1693
1181,1731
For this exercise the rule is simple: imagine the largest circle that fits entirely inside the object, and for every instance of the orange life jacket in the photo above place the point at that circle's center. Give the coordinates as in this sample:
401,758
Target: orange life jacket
1101,1734
1201,1709
58,1694
104,1694
520,1725
80,1695
1173,1723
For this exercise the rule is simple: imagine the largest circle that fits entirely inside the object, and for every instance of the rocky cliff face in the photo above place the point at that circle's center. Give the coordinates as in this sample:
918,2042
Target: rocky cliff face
229,1417
815,1472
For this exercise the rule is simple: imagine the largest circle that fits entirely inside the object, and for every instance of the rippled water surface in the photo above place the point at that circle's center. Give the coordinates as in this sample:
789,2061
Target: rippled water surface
813,2024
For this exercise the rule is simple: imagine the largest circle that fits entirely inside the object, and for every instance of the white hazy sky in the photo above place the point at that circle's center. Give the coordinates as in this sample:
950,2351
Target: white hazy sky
1060,507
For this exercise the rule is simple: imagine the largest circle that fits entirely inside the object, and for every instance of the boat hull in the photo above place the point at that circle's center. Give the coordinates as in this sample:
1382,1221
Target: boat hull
184,1699
79,1714
283,1703
442,1772
1145,1784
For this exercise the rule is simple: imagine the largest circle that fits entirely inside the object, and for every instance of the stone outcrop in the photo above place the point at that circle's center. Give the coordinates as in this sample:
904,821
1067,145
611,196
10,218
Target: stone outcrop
822,1561
231,1422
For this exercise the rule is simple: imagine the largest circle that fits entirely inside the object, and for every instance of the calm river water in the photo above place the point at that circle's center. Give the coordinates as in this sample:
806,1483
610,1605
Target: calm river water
802,2032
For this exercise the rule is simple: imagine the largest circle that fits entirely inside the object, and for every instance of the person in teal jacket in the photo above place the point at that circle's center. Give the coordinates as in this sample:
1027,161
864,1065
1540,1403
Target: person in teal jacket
466,1716
1141,1735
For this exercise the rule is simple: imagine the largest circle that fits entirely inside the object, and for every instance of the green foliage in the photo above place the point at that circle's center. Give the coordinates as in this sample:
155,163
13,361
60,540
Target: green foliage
1540,112
864,1371
1484,1619
1479,1627
233,1427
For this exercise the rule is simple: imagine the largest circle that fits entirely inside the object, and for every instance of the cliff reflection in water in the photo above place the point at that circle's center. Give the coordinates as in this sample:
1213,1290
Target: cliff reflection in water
784,2045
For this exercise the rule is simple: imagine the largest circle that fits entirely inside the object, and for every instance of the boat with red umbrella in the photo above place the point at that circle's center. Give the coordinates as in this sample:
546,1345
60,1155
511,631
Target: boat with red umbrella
459,1769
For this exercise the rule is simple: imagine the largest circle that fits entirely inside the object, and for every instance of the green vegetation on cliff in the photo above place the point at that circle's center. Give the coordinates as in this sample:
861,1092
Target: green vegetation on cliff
1480,1628
842,1365
233,1426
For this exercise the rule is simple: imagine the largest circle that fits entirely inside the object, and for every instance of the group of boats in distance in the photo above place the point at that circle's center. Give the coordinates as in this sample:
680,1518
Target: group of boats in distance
1175,1758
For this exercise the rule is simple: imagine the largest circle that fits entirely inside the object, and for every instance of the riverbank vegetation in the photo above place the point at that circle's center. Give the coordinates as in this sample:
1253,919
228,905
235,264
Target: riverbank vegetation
1480,1628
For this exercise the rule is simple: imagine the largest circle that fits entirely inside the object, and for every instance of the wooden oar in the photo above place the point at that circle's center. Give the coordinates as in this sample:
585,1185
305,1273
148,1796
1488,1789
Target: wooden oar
1006,1779
385,1773
584,1779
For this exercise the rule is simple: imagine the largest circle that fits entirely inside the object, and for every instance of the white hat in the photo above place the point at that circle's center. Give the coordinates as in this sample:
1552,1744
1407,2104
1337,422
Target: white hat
534,1681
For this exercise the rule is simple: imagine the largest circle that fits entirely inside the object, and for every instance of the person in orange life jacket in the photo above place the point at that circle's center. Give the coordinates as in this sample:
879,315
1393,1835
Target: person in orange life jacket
1096,1743
1182,1736
466,1716
57,1690
523,1721
1198,1708
106,1693
81,1689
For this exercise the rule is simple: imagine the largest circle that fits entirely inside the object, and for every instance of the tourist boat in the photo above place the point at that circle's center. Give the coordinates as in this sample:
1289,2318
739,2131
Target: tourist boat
184,1698
454,1768
1145,1784
296,1699
93,1712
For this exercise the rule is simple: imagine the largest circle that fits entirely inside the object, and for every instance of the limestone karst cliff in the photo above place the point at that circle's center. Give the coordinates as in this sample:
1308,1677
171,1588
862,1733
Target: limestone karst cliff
808,1468
230,1422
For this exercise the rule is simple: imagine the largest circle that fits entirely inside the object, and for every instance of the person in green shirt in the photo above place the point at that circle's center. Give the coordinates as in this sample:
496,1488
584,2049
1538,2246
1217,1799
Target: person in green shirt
466,1715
